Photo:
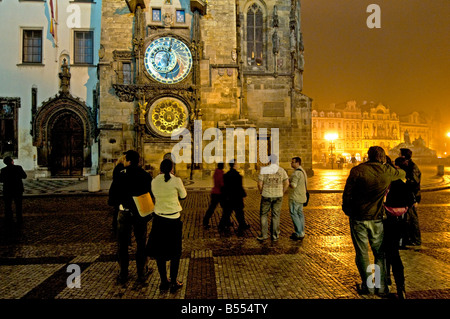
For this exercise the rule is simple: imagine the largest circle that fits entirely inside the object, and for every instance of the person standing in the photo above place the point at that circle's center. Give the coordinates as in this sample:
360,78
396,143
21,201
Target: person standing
216,195
273,182
133,180
398,200
113,196
297,197
234,194
413,177
165,239
362,201
11,176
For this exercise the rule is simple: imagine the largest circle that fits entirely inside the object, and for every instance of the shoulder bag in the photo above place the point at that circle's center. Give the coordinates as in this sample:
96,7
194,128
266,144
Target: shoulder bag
144,204
306,188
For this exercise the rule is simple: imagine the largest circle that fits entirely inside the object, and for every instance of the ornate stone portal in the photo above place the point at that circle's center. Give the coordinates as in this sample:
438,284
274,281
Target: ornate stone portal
63,131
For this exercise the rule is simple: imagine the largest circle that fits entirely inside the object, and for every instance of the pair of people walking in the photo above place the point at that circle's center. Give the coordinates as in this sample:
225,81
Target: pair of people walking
373,190
229,191
165,238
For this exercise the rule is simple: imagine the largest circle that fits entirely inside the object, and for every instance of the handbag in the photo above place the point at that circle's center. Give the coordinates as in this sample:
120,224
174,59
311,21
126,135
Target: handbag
306,188
144,204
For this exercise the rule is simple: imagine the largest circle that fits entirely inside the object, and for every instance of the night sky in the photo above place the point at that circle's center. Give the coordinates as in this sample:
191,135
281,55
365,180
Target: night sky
405,64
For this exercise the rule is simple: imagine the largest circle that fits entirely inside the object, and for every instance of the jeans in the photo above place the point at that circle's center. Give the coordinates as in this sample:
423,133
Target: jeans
270,204
365,232
296,210
125,222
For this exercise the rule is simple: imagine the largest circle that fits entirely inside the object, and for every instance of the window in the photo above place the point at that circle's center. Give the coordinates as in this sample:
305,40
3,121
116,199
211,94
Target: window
180,16
8,126
156,14
254,35
127,76
32,46
84,47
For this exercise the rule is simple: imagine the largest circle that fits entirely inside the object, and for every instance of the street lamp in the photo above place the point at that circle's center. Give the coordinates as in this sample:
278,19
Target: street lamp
331,137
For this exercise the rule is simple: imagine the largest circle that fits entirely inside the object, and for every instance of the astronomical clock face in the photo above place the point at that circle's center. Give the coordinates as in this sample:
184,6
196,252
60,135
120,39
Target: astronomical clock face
168,60
167,116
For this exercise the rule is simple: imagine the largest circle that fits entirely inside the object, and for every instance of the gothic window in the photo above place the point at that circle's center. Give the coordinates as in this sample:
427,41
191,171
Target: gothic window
32,46
8,126
127,75
255,21
84,47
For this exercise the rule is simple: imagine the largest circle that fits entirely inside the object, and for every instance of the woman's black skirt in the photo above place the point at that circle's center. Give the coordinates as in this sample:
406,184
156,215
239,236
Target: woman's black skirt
164,241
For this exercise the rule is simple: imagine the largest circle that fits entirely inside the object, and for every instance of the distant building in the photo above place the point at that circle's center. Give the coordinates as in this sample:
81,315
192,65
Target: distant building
360,126
48,85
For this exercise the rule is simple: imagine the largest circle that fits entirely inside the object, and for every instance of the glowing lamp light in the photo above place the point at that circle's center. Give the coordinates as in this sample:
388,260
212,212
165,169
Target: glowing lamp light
331,136
448,134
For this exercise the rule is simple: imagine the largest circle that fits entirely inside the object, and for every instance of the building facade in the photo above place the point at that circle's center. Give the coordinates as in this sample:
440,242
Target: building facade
48,85
360,126
186,75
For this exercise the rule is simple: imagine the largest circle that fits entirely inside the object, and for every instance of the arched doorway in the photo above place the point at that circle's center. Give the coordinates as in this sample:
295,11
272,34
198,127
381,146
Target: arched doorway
67,137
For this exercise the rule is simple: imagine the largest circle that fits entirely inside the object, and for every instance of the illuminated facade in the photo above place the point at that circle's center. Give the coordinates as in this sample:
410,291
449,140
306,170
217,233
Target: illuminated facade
359,127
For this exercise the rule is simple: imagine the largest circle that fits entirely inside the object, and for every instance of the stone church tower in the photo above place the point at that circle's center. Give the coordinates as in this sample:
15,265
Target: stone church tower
171,66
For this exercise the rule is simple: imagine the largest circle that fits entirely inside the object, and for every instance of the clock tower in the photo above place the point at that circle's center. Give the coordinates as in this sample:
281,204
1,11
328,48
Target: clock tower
230,64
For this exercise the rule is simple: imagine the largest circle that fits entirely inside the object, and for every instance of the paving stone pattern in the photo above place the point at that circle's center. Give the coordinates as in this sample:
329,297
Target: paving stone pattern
64,230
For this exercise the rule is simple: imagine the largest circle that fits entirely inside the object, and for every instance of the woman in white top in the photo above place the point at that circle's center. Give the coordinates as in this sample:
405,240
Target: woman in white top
164,242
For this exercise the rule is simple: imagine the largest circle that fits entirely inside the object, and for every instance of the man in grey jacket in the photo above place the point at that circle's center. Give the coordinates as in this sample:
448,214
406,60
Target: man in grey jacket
362,201
297,197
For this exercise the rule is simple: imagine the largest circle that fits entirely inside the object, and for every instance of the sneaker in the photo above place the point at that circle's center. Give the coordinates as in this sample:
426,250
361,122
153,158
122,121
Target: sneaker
175,286
261,238
294,236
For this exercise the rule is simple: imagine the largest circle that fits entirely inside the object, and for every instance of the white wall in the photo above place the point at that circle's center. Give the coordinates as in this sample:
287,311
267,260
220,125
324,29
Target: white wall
17,80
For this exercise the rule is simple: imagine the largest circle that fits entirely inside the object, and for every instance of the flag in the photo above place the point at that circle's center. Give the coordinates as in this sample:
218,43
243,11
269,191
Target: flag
53,18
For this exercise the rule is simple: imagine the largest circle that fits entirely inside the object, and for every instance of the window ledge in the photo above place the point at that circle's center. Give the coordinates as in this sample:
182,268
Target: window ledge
83,65
30,64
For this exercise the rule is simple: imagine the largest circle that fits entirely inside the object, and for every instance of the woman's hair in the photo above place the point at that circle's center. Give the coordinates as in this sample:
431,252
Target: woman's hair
401,162
166,168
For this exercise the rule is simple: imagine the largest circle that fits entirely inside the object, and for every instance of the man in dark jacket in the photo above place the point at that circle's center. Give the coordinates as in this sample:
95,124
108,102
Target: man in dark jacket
12,176
413,177
233,198
132,181
362,201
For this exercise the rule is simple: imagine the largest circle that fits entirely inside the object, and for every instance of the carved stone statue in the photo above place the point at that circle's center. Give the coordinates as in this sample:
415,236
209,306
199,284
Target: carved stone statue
64,75
275,42
406,137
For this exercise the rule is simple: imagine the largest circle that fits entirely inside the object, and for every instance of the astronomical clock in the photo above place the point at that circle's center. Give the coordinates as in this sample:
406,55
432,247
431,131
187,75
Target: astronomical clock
167,60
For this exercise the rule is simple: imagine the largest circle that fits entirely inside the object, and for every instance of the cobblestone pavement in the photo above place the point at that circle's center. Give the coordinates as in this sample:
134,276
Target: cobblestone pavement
63,230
